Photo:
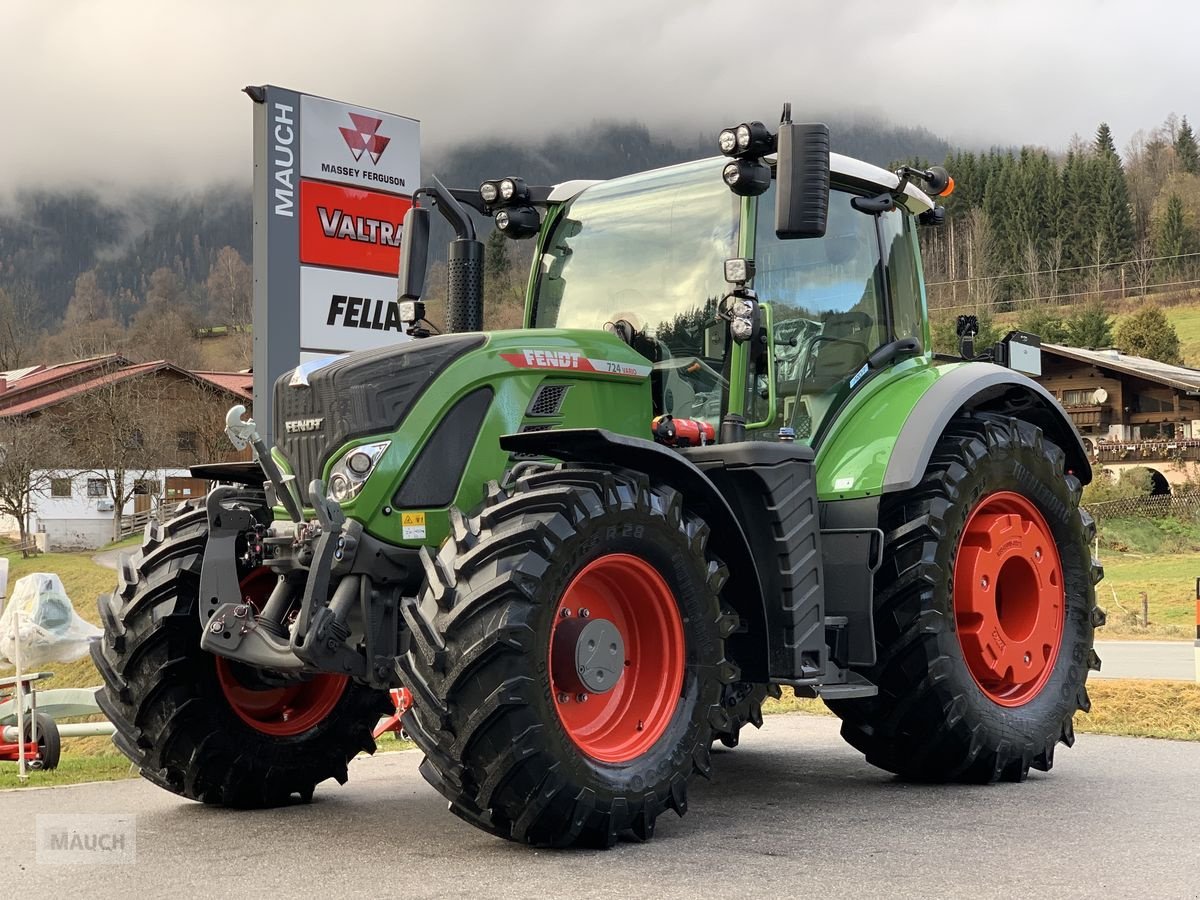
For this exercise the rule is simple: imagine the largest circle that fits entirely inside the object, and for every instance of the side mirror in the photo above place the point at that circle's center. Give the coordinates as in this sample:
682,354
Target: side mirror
802,181
414,254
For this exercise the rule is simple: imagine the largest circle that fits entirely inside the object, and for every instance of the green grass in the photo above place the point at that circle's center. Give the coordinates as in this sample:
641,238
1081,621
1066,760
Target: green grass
1186,319
71,770
1160,557
133,541
1153,709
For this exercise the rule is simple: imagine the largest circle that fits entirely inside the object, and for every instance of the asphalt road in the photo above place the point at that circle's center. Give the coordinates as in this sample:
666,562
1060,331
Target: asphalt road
1147,659
793,812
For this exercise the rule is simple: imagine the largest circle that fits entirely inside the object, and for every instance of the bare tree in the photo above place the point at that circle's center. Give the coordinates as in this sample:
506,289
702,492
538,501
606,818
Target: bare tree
89,303
1098,261
120,432
163,330
230,289
1054,259
28,448
1033,262
18,304
1142,266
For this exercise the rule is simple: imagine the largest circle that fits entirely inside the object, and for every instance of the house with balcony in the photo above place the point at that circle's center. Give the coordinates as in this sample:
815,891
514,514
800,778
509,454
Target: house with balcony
1131,411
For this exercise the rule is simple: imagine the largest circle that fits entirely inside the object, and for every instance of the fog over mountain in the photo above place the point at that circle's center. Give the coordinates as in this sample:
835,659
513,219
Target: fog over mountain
127,93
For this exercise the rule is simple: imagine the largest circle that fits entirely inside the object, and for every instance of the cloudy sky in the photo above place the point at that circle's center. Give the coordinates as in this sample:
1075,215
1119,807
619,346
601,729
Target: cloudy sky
122,91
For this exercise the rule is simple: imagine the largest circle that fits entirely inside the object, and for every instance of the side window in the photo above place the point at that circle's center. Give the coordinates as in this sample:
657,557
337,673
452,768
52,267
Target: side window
826,295
902,257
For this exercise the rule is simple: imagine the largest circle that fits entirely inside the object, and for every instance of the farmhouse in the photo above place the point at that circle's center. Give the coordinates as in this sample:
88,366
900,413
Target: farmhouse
115,440
1131,411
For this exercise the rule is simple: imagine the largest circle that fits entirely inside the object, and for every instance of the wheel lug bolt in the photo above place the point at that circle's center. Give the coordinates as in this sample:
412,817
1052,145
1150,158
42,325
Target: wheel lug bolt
584,613
564,698
1037,554
1028,658
565,613
983,582
581,698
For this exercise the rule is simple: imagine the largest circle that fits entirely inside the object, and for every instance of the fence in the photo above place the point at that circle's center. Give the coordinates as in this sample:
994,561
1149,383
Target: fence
1147,507
137,522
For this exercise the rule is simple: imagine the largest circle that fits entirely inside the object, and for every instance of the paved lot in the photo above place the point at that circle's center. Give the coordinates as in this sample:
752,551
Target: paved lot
793,812
1147,659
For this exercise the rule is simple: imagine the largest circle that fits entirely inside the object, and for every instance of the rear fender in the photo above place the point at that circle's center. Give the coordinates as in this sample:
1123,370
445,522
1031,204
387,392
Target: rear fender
884,438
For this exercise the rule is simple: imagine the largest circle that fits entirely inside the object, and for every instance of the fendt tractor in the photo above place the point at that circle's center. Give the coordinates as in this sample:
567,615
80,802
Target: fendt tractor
720,458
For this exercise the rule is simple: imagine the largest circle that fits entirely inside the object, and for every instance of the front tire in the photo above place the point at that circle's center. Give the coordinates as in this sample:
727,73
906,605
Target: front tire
198,725
984,612
495,711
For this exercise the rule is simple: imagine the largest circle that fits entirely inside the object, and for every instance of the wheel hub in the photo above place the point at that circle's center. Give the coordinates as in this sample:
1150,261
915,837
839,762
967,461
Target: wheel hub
589,654
1009,598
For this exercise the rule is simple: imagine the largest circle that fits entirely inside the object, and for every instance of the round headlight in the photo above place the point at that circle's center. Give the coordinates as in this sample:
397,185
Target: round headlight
731,174
359,463
743,136
339,488
727,141
488,192
507,188
502,219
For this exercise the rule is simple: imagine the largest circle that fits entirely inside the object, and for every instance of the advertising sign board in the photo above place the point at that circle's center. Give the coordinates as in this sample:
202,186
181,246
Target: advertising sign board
332,182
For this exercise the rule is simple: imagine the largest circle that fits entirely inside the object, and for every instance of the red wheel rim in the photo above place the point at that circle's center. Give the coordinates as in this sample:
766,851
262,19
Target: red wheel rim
624,722
1009,599
277,711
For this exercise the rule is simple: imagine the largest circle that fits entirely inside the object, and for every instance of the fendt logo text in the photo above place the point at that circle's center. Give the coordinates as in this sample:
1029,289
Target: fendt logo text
364,137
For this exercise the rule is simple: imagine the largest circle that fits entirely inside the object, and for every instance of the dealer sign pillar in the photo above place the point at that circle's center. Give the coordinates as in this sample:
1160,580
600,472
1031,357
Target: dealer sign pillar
332,183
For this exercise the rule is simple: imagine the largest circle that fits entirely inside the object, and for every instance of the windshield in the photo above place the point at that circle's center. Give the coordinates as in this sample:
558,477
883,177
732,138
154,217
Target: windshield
649,249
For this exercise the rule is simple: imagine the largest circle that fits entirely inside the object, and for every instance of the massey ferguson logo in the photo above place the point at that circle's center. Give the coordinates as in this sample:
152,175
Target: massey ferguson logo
364,137
295,426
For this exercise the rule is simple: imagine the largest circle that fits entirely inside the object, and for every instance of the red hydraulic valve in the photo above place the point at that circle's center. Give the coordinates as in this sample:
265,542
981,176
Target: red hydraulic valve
682,432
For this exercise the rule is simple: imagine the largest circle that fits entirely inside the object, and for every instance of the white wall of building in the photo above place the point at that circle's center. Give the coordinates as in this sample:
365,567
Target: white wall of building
82,522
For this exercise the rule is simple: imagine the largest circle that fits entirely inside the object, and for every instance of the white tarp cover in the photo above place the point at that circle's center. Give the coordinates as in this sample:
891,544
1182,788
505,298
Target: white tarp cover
50,629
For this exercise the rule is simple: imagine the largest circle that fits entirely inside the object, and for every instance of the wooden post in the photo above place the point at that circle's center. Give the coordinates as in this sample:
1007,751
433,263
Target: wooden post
1145,609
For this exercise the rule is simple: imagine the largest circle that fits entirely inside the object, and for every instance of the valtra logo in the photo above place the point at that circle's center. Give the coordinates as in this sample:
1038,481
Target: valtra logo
364,137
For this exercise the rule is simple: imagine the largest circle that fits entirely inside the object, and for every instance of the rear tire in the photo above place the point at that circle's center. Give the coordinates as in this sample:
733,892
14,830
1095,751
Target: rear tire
164,693
743,702
511,755
941,715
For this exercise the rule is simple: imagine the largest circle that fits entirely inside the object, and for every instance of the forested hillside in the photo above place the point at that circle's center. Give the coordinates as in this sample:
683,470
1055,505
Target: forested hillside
1026,227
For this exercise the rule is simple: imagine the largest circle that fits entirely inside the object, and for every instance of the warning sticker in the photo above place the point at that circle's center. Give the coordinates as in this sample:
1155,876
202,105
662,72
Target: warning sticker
412,525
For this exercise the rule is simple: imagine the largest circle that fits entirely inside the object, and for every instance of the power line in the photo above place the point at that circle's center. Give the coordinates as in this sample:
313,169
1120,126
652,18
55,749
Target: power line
1128,262
1057,297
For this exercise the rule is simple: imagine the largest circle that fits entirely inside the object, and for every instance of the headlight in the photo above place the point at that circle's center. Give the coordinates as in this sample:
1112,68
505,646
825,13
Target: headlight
727,141
489,192
507,188
352,470
743,136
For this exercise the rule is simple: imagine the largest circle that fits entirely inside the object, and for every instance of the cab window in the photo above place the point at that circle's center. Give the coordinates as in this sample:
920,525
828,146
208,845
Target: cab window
827,300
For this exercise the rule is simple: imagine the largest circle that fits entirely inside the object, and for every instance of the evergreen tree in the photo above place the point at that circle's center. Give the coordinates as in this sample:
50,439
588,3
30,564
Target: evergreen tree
1172,238
1186,151
1104,146
1043,321
1090,327
1149,333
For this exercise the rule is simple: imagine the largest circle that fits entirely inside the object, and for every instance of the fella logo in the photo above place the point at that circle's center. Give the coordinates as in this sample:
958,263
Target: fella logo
364,312
364,137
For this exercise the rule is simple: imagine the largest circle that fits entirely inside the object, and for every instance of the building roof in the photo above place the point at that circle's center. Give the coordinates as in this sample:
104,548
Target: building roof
33,377
1178,377
238,384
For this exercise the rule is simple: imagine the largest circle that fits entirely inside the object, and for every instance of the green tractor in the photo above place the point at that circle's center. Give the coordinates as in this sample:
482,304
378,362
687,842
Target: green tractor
719,459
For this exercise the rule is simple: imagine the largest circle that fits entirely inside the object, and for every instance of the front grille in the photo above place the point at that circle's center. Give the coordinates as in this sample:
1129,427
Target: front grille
526,429
357,395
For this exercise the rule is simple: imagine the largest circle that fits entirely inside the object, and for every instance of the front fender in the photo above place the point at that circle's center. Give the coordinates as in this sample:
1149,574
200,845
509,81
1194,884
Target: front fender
749,648
883,439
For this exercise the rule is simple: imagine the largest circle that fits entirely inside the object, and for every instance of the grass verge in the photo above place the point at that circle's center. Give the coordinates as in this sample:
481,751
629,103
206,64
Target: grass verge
71,770
1154,709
